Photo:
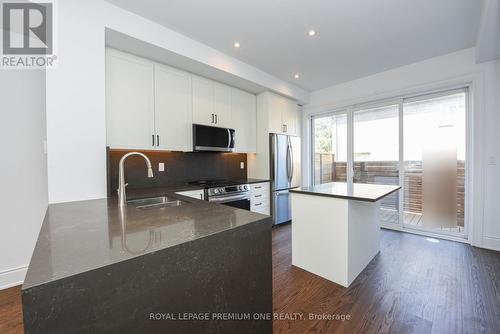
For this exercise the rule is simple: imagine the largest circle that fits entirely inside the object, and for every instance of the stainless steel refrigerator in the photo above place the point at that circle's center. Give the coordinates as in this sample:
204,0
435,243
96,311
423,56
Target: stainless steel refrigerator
285,174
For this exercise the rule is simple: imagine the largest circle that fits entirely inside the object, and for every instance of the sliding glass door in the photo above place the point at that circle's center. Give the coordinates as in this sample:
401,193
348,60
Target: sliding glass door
418,143
376,153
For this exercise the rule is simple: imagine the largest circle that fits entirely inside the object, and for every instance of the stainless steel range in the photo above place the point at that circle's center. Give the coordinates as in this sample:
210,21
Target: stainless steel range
237,196
226,192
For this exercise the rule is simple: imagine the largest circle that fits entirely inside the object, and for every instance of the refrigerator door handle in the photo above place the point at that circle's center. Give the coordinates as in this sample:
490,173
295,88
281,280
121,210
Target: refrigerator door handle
289,162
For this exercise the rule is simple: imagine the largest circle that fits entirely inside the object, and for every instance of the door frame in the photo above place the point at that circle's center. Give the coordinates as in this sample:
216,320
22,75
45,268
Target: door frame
469,154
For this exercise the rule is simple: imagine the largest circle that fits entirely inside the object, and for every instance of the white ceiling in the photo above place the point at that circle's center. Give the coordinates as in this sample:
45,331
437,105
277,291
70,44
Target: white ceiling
355,38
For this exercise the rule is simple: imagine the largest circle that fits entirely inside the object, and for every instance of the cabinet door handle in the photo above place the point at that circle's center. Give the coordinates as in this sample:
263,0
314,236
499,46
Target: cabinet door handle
157,140
257,204
215,118
258,187
153,136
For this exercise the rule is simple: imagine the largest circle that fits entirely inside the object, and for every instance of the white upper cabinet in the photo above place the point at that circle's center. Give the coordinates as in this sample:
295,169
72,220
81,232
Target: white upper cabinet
203,101
129,101
173,109
281,112
150,106
211,103
290,117
244,119
222,105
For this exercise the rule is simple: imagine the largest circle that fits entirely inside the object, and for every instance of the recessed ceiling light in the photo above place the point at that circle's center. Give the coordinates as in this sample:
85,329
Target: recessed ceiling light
236,44
296,76
311,32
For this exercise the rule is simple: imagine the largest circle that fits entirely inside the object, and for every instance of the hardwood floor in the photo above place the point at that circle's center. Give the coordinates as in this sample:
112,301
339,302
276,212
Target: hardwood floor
11,313
412,286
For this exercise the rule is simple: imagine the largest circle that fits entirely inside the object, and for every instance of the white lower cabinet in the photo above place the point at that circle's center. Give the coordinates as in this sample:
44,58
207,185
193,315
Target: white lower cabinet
197,193
260,198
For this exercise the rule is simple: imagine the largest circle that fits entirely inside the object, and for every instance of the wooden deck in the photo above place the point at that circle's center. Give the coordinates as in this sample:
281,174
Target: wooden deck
390,216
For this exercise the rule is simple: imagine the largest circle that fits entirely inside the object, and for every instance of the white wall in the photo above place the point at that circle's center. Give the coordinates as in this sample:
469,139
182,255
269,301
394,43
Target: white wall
76,132
75,90
23,171
441,72
491,226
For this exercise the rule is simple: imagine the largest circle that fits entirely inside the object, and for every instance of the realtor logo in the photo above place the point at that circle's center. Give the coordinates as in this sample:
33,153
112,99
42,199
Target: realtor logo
27,34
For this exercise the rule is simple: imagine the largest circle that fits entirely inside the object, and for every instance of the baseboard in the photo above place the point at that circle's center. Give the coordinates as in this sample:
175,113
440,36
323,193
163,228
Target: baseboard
12,277
491,243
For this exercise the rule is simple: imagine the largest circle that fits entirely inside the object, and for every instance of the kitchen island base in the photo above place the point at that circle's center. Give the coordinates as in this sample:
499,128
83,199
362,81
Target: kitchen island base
214,284
334,238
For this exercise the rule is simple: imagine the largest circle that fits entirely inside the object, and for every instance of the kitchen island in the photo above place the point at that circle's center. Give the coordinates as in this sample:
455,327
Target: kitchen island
99,268
336,228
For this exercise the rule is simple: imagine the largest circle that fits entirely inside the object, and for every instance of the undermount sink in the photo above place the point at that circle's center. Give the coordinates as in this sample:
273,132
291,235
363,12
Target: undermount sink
155,202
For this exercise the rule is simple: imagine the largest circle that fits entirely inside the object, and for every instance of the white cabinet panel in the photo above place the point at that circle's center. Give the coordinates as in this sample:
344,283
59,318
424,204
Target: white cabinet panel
129,101
259,198
290,117
244,120
173,111
281,112
275,106
222,105
203,101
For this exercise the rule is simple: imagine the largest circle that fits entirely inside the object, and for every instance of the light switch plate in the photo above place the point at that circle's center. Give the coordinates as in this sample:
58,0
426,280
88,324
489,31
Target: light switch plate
161,167
242,165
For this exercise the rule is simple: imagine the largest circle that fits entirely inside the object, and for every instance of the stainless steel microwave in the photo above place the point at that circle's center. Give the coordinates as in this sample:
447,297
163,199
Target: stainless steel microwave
211,138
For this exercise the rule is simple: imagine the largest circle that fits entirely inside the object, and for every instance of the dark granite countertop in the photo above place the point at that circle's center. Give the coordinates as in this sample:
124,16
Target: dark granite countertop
356,191
251,180
81,236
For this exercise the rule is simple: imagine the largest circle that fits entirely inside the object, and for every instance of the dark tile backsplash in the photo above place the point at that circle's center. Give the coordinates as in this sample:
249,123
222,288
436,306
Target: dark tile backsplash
180,168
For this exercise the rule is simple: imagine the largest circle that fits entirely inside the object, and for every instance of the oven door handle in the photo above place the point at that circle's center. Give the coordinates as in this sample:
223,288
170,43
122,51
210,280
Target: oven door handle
222,199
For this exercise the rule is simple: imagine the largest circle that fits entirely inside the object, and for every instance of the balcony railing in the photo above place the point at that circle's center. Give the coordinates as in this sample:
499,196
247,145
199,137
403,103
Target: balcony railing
387,172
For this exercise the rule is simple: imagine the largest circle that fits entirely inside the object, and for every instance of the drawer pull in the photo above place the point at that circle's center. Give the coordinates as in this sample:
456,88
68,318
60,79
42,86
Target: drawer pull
258,187
257,204
258,195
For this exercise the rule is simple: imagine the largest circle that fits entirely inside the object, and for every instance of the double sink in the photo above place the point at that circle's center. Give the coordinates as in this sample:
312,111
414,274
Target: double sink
156,202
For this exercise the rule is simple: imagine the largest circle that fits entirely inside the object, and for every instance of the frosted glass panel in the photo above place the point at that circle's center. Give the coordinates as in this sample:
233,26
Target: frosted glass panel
434,162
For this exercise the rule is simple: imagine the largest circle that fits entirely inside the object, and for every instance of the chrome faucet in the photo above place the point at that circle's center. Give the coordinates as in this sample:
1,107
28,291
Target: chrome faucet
122,196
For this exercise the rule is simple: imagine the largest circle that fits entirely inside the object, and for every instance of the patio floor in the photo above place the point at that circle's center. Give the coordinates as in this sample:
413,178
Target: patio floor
390,216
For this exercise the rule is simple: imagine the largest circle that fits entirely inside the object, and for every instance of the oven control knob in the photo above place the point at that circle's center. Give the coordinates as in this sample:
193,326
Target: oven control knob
245,187
240,187
216,191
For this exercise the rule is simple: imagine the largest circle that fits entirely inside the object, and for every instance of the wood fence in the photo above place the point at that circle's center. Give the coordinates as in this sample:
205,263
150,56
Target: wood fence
387,172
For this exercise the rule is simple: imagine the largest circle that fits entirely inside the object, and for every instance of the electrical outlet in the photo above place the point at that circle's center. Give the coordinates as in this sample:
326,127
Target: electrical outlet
492,161
242,165
161,167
